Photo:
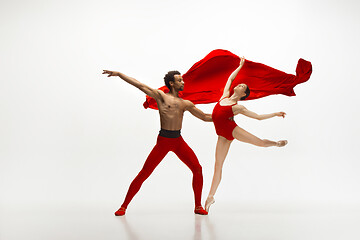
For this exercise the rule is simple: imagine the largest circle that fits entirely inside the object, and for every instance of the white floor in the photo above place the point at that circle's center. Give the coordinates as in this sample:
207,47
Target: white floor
224,222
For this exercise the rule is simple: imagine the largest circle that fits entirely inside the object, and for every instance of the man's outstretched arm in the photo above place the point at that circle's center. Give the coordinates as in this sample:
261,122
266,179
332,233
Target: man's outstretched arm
146,89
197,112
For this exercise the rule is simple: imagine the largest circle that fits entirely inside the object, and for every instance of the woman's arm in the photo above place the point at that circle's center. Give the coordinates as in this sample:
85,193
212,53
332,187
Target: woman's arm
226,92
146,89
243,110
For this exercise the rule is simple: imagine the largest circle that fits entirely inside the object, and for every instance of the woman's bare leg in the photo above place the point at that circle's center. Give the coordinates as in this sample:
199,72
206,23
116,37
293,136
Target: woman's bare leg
244,136
222,149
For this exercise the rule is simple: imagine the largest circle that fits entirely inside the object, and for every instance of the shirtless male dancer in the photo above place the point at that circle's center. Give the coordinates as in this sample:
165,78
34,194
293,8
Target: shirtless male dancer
171,110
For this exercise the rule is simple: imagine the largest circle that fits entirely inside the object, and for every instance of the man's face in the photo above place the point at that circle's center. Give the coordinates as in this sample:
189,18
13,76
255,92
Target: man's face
178,83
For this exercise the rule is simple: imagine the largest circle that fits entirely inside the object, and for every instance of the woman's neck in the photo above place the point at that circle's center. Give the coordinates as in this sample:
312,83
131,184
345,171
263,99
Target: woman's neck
234,98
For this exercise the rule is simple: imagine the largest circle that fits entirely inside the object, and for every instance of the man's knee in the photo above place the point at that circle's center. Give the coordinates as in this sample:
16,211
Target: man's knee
144,174
197,169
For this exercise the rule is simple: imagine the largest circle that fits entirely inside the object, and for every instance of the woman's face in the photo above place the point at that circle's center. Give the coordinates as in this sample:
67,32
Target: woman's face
240,89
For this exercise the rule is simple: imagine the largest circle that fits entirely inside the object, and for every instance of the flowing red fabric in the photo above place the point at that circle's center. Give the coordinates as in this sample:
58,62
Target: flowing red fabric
206,79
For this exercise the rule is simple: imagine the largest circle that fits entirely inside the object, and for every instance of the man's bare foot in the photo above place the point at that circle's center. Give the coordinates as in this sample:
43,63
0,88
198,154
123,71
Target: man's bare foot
210,200
281,143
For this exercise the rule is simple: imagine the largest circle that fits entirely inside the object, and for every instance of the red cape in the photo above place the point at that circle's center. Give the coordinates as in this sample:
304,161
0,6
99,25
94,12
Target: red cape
206,79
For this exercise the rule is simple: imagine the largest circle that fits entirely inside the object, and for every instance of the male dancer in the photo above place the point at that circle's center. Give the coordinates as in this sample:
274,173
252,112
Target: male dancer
171,110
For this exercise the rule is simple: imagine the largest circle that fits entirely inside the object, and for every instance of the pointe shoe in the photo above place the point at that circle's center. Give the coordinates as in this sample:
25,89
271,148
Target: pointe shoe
200,210
120,212
208,203
281,143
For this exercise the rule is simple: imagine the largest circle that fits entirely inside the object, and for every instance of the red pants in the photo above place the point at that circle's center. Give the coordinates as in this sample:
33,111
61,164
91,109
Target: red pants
162,147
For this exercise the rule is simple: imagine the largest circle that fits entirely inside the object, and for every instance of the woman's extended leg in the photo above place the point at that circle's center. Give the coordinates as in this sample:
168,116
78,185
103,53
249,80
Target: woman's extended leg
222,149
244,136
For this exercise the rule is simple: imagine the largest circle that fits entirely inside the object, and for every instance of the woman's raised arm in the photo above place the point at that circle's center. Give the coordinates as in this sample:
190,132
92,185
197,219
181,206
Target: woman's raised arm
226,92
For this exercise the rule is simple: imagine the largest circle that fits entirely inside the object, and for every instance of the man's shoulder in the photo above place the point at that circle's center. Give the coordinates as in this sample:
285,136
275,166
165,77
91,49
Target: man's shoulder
160,92
187,104
186,101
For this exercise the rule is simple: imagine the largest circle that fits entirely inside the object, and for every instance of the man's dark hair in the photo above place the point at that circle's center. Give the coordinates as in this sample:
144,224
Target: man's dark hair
247,92
169,77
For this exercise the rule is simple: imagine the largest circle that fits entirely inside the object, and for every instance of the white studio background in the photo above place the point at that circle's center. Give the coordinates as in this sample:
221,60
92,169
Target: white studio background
69,135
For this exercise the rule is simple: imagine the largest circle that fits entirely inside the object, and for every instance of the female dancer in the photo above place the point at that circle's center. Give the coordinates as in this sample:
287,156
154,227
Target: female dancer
227,130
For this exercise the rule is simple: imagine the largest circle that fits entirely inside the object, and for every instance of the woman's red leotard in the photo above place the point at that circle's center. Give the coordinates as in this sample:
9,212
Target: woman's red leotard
224,123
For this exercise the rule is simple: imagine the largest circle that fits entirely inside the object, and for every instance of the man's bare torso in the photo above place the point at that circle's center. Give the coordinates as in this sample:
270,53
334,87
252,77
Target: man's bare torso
171,110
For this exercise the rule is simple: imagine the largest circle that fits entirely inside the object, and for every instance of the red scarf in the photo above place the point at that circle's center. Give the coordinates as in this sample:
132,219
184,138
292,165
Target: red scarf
206,79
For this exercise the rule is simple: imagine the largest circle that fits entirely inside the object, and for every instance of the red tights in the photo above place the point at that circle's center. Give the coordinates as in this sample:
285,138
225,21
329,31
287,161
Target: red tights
162,147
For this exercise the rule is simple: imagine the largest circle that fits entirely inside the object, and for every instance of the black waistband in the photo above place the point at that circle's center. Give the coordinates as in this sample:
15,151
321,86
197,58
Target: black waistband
169,133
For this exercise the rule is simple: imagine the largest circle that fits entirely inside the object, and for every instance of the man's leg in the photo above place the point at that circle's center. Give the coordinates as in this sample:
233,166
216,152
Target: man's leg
156,155
187,156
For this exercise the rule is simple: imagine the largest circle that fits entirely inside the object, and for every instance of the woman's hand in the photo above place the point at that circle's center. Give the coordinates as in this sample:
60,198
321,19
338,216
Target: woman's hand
280,114
242,61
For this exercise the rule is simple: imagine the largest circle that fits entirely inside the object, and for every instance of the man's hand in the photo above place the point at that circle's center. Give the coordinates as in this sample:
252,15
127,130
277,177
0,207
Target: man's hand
111,73
149,91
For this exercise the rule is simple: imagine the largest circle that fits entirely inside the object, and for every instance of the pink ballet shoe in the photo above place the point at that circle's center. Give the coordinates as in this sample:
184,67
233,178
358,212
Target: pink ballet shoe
281,143
120,212
208,203
200,210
